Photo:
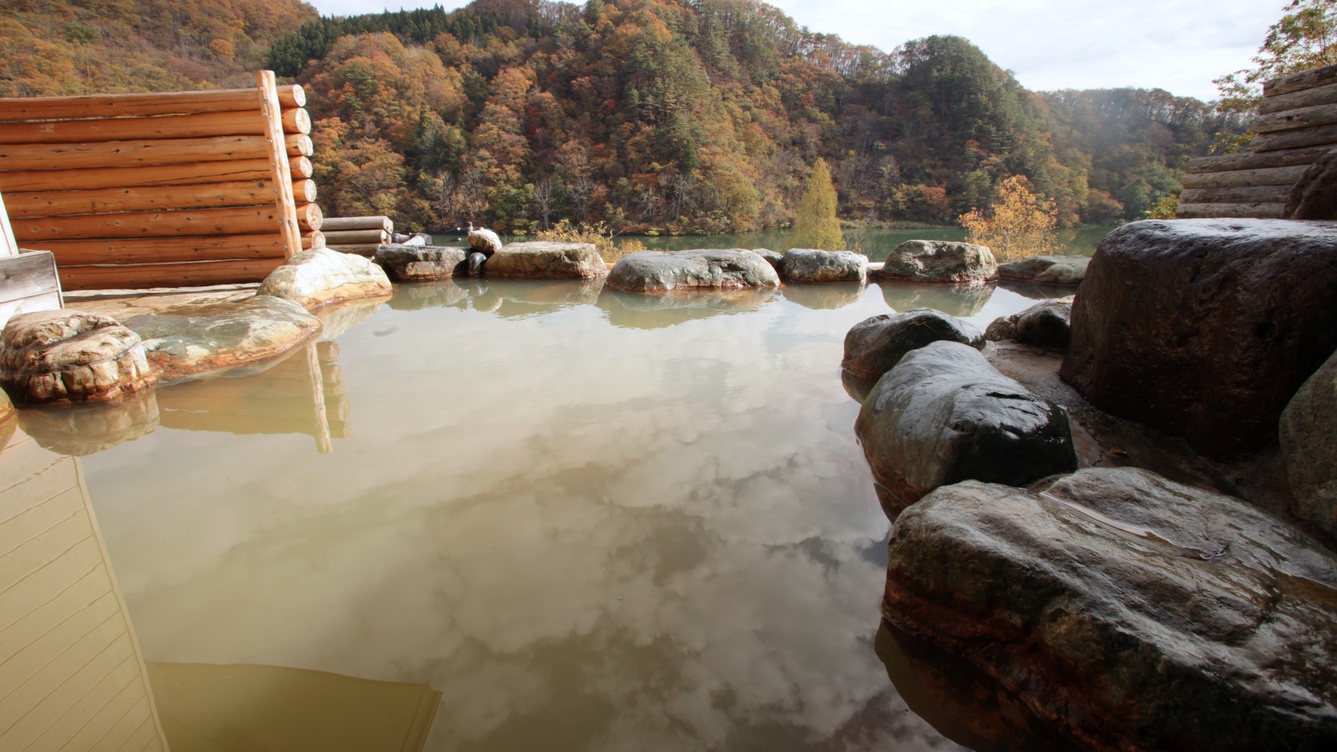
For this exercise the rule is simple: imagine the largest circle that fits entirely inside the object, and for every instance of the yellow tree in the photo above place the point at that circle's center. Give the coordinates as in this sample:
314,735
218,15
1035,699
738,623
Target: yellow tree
1017,223
815,224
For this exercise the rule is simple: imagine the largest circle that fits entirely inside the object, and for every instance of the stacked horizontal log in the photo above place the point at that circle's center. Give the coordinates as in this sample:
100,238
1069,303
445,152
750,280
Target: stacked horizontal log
360,235
161,190
1296,124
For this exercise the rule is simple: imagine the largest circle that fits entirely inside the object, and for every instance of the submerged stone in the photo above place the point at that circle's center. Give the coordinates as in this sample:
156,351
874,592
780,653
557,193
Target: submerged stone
546,260
1046,324
944,415
191,340
1046,270
421,263
660,272
320,277
64,355
1134,612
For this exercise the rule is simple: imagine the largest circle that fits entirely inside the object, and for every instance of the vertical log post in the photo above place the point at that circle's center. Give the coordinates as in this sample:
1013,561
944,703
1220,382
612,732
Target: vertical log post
8,246
278,161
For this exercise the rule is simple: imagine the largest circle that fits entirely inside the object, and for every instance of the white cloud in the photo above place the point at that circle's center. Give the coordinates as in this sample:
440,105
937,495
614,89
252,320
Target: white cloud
1177,45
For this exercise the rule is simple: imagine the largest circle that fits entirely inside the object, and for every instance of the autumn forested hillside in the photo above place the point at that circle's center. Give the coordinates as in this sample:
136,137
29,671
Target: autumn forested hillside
671,115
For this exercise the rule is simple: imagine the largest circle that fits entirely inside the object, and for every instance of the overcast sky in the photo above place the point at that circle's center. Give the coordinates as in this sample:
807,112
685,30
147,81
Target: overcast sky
1177,45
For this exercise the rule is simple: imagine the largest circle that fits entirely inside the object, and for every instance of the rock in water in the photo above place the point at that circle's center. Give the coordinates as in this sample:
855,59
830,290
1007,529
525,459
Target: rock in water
945,415
320,277
62,355
806,265
1046,270
1136,612
192,340
776,260
875,345
1046,324
660,272
547,260
1204,328
484,241
420,263
938,261
1309,445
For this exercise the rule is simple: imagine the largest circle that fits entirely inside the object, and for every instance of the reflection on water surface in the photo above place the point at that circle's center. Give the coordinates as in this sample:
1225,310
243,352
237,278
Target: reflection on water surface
589,520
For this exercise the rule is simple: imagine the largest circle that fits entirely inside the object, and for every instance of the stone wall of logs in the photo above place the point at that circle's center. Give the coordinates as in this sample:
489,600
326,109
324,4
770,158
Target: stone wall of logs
161,190
1296,125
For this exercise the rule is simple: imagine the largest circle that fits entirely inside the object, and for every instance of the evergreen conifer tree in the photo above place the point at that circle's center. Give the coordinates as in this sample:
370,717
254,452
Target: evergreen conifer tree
815,224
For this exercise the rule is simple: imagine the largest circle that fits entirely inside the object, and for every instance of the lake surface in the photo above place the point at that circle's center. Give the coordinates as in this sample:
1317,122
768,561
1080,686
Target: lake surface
587,519
874,243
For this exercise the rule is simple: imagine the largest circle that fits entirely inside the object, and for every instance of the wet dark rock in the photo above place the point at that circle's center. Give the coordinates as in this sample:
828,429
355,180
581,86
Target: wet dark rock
65,355
1046,324
321,277
421,263
1135,612
875,345
944,415
808,266
1314,195
1309,446
1046,270
660,272
938,261
185,341
1204,328
546,260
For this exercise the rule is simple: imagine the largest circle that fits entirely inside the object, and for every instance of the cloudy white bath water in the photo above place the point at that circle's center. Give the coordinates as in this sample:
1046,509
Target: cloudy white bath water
1176,45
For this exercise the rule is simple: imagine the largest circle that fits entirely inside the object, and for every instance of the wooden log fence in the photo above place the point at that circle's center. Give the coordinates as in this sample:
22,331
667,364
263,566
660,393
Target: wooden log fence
357,235
1296,125
162,190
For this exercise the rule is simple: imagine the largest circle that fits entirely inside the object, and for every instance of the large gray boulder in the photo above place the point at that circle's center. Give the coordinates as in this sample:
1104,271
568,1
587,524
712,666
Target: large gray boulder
944,415
320,277
70,356
187,341
1309,446
807,266
1135,612
774,258
938,261
1046,324
1046,270
546,260
660,272
1205,328
422,263
875,345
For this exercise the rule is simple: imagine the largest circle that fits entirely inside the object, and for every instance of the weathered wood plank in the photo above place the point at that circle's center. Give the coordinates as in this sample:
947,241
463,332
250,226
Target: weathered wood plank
1232,178
1249,161
1305,117
27,275
1298,99
140,105
82,666
89,722
200,125
124,177
167,250
1298,82
1265,194
36,520
142,198
142,276
284,200
45,302
1319,135
8,246
1224,211
355,237
341,224
174,151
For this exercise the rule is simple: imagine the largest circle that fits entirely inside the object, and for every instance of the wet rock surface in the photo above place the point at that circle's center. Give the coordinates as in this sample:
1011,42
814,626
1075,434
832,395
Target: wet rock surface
774,258
320,277
1309,446
810,266
546,260
938,261
65,355
1205,328
1314,195
1135,612
944,415
191,339
421,263
660,272
1046,324
875,345
1046,270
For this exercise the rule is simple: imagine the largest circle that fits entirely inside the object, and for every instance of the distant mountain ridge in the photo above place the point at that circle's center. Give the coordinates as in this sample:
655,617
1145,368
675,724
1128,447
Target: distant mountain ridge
662,115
